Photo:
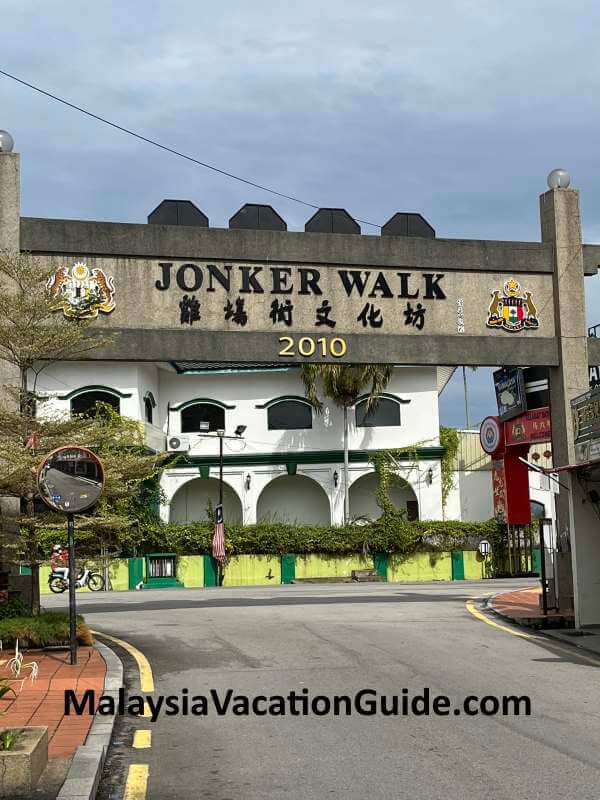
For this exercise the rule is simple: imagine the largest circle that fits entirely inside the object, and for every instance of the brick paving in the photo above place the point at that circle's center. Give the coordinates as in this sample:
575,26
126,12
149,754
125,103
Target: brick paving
524,604
41,702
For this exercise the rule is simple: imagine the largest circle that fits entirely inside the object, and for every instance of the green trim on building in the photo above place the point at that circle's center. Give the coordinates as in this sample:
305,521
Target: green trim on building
299,457
94,388
208,400
386,396
283,398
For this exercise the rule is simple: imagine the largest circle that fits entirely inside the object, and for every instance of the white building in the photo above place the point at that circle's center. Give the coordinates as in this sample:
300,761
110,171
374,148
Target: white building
471,498
288,464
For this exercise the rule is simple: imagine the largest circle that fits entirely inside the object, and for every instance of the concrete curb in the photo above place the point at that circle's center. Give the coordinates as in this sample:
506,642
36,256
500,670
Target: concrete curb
85,771
551,633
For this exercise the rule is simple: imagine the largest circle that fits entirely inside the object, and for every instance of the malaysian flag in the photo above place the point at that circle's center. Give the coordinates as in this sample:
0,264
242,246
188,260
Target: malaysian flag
218,542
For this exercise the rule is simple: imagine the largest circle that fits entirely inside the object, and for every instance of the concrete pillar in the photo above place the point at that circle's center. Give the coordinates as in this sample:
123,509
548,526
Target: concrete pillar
576,521
9,202
9,241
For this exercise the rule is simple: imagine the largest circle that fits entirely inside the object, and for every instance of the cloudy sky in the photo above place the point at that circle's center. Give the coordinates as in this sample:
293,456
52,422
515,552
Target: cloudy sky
457,109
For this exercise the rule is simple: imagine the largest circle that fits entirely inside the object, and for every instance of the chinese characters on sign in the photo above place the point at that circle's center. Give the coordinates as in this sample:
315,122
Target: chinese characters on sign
530,427
499,489
460,315
411,289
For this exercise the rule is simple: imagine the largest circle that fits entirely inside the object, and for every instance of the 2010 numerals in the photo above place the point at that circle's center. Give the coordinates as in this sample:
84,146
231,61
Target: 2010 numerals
307,347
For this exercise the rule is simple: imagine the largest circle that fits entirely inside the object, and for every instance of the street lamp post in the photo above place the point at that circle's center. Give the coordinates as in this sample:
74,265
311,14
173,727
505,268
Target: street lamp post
220,434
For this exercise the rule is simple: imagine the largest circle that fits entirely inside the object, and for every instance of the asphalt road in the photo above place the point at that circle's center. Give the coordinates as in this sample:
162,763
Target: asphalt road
339,639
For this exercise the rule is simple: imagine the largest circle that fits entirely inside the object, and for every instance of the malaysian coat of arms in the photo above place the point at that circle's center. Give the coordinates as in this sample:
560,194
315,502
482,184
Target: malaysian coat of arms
81,292
514,310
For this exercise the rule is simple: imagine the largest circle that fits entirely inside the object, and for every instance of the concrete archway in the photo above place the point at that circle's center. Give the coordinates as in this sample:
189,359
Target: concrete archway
363,500
190,502
294,498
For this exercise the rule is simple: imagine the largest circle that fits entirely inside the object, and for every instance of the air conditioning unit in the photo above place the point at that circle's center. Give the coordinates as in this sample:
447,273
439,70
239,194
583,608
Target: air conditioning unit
178,443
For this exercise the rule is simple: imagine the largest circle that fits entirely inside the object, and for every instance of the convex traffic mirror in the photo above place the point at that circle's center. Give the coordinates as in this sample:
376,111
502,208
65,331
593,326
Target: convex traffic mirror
71,479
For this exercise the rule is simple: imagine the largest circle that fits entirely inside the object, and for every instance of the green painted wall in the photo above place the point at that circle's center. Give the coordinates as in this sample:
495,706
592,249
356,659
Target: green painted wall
288,568
458,565
266,570
190,571
421,567
253,571
323,566
137,568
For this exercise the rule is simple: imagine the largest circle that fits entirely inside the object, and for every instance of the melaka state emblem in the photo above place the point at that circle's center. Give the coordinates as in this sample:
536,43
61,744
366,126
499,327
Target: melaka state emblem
81,292
513,311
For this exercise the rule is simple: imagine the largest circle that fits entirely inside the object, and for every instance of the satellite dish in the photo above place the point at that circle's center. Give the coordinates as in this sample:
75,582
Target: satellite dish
71,479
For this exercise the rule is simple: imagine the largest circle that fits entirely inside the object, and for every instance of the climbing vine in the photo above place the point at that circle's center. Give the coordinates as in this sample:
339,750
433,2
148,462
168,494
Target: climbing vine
449,441
385,463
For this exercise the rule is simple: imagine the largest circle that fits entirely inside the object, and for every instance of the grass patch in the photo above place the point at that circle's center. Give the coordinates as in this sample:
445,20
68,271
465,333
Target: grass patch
50,628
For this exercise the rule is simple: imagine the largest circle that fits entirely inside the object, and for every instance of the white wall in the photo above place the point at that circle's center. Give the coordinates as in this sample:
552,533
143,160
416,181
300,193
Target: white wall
419,418
471,498
191,501
294,498
245,391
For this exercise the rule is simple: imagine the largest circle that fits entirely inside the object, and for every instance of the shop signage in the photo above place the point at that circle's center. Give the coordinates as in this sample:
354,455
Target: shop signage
531,427
510,392
491,435
585,410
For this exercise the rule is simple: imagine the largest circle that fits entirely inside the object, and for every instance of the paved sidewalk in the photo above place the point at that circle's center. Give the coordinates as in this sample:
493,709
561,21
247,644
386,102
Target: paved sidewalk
523,608
41,702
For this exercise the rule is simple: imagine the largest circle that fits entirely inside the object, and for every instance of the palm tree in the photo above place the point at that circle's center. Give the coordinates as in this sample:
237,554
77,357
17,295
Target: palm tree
344,383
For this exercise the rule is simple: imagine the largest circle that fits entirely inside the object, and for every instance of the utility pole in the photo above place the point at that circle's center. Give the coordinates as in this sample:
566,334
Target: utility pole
464,371
220,434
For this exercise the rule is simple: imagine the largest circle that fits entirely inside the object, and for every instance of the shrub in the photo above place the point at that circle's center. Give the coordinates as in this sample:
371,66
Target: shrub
392,533
13,608
50,628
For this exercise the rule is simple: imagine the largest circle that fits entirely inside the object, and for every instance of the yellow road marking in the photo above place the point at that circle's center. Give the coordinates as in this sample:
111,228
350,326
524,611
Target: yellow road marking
146,678
137,782
558,645
142,739
477,613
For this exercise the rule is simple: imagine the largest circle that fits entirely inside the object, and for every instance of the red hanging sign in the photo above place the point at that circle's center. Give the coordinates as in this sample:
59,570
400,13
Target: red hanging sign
528,428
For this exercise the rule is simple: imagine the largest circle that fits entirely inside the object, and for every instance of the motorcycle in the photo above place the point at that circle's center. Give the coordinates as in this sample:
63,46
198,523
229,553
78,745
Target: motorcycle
92,580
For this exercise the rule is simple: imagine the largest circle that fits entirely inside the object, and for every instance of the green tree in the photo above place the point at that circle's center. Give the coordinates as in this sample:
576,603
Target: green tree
344,384
32,336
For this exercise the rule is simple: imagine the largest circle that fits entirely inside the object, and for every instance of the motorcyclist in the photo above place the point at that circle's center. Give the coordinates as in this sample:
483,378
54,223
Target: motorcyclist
59,561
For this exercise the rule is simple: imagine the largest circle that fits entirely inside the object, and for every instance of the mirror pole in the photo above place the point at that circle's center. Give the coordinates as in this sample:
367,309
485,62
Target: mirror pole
72,577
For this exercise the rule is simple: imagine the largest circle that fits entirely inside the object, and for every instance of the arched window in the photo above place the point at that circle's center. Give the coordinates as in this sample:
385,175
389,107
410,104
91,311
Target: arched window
149,406
385,414
86,402
289,415
148,410
194,414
